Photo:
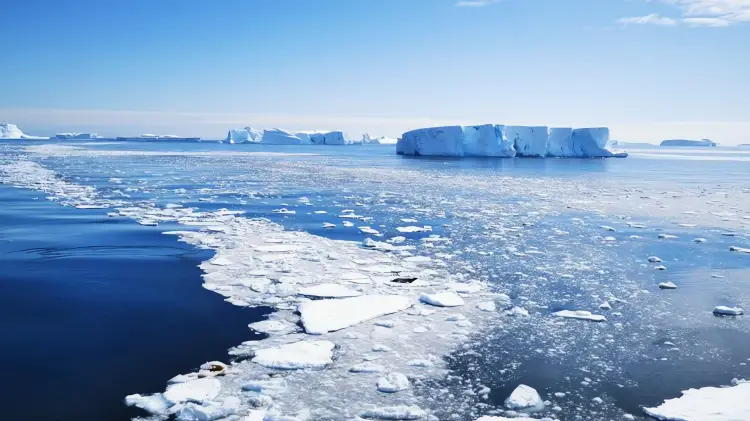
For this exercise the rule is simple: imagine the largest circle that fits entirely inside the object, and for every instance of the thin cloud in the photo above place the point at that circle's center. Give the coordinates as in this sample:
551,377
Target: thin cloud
476,3
709,13
652,19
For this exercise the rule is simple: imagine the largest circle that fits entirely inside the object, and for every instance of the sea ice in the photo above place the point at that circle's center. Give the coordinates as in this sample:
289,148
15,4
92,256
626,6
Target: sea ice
295,356
328,291
442,299
580,314
323,316
195,390
393,382
706,404
402,412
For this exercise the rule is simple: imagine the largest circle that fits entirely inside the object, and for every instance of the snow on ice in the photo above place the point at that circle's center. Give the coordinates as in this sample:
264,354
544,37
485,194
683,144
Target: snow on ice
323,316
706,404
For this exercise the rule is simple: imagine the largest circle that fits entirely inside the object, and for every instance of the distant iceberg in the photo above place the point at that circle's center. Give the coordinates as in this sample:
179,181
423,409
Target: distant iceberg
148,137
684,142
11,131
76,136
507,142
284,137
246,135
367,140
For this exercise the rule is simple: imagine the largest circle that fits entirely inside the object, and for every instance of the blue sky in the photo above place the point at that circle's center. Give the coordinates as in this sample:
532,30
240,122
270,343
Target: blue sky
649,69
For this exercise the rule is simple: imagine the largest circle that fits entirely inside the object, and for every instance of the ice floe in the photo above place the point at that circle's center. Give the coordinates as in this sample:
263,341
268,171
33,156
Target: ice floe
524,398
295,356
580,314
323,316
706,404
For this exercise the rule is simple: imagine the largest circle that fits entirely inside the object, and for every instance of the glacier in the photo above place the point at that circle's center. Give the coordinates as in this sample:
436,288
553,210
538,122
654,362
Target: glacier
11,131
507,142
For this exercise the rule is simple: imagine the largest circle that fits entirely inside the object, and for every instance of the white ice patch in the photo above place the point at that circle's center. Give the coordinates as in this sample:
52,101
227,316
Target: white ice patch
328,291
197,390
580,314
323,316
295,356
706,404
442,299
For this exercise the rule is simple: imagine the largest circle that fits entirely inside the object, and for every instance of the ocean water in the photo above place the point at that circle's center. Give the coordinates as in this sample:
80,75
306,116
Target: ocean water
119,306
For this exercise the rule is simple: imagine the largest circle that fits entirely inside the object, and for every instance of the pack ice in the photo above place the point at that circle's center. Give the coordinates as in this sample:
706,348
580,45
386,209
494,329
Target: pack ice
507,142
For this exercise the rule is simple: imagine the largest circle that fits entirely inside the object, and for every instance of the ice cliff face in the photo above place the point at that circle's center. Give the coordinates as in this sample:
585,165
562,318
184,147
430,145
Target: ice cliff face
246,135
11,131
507,142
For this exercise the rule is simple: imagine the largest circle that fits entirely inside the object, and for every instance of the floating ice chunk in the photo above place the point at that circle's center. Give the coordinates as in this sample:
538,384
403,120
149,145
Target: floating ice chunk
328,225
285,211
488,306
464,287
706,404
667,285
347,224
699,240
425,228
273,327
402,412
607,228
381,348
728,311
295,356
605,306
367,367
524,398
368,230
328,291
323,316
197,390
320,212
654,259
393,382
397,240
580,314
155,404
209,411
442,299
420,363
660,267
517,312
667,236
739,249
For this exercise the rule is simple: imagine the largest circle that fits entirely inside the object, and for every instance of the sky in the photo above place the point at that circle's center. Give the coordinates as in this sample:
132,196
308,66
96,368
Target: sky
648,69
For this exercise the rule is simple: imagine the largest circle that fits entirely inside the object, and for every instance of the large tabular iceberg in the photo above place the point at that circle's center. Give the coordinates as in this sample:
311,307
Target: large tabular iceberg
685,142
507,142
284,137
11,131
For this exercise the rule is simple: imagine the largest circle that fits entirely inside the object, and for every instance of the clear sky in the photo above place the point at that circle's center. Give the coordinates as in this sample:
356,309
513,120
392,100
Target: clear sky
649,69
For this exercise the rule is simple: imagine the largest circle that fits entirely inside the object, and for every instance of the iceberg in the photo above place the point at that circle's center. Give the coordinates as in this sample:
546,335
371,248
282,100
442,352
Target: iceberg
11,131
487,140
685,142
507,142
367,140
246,135
283,137
529,141
65,136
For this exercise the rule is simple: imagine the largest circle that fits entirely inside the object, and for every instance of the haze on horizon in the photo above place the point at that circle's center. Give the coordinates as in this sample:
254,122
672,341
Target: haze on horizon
649,70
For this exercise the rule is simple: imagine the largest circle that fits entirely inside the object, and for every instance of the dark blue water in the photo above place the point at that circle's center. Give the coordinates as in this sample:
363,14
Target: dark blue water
93,309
